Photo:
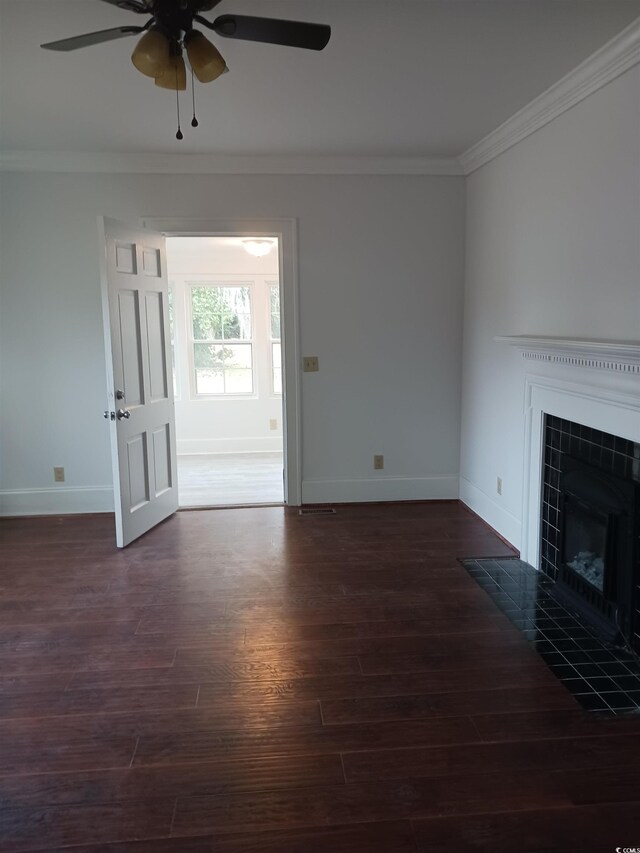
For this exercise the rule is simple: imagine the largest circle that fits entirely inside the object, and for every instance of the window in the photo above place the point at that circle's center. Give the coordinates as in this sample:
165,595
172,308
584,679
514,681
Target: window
276,346
172,339
222,339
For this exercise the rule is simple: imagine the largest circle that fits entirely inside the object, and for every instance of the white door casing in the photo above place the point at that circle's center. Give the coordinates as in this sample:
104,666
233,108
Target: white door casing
285,230
140,388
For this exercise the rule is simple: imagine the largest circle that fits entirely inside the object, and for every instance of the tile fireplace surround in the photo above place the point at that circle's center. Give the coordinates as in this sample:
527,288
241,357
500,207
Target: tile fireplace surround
582,399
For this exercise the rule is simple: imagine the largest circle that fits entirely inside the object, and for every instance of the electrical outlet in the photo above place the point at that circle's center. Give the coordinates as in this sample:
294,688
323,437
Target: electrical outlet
310,364
273,423
58,475
378,463
499,485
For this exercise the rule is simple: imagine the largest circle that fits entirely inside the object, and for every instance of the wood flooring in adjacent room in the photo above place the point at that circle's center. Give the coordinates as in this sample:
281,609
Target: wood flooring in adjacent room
253,681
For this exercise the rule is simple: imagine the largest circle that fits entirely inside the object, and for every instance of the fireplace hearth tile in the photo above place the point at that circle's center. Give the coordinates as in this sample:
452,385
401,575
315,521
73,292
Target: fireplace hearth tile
603,678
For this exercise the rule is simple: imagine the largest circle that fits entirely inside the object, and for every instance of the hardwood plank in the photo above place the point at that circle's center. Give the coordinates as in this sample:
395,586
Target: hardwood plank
267,666
579,754
466,657
393,645
320,686
381,837
257,635
231,716
60,702
40,750
103,657
208,778
529,725
42,637
178,747
364,802
594,829
368,710
346,687
44,613
28,829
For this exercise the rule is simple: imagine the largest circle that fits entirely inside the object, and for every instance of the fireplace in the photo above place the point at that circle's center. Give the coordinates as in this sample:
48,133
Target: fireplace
590,532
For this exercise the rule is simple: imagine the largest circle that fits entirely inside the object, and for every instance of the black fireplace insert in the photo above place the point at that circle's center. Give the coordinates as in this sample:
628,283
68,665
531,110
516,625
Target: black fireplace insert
590,527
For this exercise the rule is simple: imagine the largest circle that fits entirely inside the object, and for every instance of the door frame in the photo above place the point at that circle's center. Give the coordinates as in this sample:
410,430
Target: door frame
286,232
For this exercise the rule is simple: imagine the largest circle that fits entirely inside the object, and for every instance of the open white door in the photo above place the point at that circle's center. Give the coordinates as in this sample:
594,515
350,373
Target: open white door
141,414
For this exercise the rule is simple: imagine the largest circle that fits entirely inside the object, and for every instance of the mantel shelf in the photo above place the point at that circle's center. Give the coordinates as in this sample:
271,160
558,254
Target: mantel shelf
619,356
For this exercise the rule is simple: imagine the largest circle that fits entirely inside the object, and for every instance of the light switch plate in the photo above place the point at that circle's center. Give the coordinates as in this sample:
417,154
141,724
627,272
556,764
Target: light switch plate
310,364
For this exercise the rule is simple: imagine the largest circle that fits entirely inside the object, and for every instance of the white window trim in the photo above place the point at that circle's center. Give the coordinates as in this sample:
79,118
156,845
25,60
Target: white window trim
211,281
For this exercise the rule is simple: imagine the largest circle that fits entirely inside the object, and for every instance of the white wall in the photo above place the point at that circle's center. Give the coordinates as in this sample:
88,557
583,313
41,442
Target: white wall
552,248
381,276
224,424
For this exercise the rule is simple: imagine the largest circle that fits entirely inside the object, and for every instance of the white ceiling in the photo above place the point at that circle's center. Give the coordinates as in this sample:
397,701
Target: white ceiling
399,78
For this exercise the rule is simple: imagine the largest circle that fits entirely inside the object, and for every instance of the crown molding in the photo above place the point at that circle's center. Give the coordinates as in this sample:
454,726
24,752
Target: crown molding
619,356
209,164
610,61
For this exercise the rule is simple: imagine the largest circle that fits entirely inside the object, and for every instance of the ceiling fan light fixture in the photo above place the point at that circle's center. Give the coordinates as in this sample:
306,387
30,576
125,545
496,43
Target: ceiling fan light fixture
205,59
258,247
174,76
151,54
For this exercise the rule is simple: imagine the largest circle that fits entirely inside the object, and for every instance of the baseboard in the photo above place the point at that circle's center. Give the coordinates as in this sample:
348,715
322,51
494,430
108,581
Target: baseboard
200,447
63,500
503,522
379,489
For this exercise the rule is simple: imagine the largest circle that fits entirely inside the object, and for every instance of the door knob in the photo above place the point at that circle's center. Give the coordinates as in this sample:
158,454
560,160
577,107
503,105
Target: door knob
119,394
123,413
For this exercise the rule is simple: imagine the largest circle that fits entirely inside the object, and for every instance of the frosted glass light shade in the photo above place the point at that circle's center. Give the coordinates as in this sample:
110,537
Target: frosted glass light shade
169,79
151,54
205,59
258,248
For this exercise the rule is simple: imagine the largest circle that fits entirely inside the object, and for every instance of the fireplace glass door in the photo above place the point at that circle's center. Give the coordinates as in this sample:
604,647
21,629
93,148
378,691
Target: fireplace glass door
585,542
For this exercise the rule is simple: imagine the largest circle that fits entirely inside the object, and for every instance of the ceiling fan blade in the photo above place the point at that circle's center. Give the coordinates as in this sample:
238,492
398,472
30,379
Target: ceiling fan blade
273,31
88,39
140,6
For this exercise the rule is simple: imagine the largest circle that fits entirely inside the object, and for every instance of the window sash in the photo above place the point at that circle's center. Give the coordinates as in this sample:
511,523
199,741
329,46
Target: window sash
218,377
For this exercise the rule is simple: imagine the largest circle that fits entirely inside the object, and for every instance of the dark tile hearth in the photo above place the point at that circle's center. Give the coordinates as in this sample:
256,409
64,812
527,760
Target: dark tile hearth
602,677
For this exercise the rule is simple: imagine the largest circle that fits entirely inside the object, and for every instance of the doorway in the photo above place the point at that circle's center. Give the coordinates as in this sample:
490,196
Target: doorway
226,343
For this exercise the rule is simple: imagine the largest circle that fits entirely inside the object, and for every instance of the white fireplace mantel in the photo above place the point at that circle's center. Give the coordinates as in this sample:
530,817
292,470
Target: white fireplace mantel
619,356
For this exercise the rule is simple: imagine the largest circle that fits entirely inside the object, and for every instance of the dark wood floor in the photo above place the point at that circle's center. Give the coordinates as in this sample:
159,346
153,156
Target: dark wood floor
250,680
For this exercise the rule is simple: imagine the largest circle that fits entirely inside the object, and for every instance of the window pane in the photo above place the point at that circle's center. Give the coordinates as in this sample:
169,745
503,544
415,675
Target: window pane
221,313
206,313
275,327
275,311
238,381
276,367
208,355
209,381
237,355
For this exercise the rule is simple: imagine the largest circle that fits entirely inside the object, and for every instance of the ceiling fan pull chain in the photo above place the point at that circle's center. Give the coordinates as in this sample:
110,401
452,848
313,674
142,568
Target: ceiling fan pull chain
179,134
194,120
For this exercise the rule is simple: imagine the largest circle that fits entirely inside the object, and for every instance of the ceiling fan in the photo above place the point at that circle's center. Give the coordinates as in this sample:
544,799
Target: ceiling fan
170,31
